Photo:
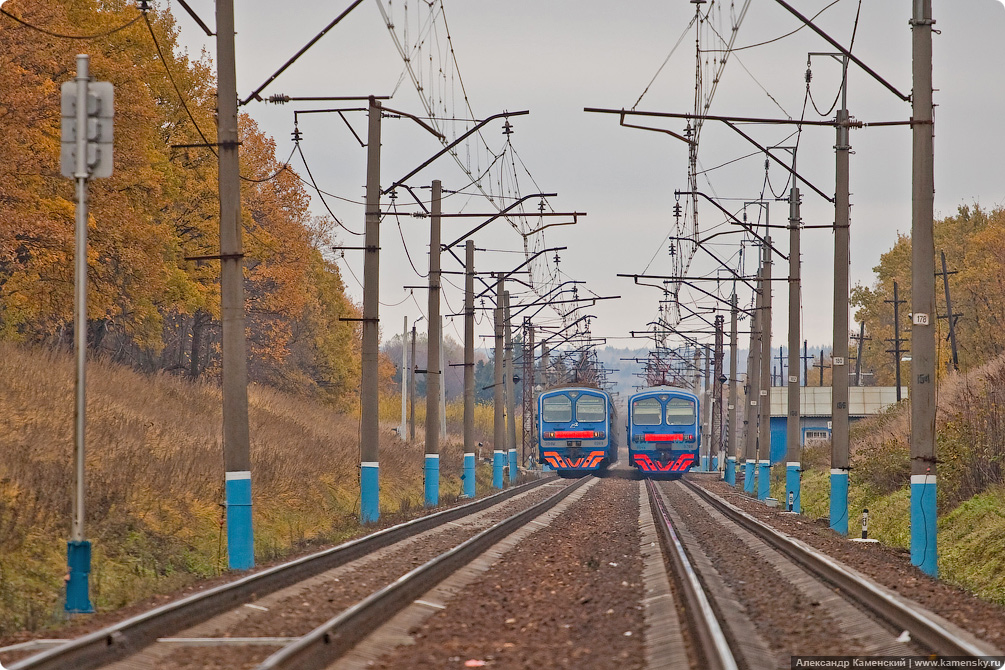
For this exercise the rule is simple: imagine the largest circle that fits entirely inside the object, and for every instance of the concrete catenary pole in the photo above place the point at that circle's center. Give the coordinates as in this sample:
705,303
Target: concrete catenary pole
529,402
411,388
793,448
469,369
753,385
443,386
404,379
764,392
706,419
717,448
236,440
369,431
924,547
498,397
433,372
510,388
734,382
840,459
545,362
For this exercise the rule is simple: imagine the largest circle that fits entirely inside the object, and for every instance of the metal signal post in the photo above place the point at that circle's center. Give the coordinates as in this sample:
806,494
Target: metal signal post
86,152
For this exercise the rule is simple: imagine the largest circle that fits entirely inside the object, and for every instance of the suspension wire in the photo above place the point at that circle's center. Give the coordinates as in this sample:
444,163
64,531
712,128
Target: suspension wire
781,37
315,185
397,219
837,97
69,37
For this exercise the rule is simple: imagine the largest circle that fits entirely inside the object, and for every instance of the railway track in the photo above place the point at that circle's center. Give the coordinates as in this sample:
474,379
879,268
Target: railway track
465,531
765,596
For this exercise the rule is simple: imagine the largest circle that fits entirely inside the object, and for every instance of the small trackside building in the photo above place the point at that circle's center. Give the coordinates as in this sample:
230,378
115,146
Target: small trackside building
815,411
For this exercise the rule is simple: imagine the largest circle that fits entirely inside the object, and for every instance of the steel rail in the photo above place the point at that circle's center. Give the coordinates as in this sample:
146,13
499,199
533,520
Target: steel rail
908,616
130,636
711,641
334,638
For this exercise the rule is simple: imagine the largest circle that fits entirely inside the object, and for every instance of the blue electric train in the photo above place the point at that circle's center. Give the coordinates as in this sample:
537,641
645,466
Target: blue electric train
577,429
663,430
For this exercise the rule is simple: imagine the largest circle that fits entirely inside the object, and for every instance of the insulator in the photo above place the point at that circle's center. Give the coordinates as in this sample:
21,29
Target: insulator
279,99
297,136
809,75
507,128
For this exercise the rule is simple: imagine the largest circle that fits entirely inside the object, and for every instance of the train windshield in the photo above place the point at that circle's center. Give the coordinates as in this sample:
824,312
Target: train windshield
647,412
680,412
591,408
557,409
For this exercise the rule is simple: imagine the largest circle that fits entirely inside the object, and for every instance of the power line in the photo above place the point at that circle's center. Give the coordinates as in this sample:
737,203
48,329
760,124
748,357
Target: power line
70,37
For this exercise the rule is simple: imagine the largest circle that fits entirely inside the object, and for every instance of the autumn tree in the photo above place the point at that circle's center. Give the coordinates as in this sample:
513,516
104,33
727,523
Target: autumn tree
152,303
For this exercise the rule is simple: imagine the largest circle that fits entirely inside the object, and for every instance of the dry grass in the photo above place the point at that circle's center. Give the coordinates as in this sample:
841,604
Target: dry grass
970,434
155,480
390,413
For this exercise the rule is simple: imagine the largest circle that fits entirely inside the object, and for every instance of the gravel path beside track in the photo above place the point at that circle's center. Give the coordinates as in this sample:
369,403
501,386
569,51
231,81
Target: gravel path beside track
566,597
791,612
887,566
298,609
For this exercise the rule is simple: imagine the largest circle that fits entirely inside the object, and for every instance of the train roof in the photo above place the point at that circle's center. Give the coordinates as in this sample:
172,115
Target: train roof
656,390
575,387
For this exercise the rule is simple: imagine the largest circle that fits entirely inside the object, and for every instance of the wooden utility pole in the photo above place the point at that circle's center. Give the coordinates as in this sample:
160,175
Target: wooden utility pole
954,362
897,351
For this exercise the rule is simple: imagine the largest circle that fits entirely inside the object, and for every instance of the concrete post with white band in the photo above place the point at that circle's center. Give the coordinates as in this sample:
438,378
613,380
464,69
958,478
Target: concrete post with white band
839,500
240,542
469,475
763,478
731,470
498,464
924,529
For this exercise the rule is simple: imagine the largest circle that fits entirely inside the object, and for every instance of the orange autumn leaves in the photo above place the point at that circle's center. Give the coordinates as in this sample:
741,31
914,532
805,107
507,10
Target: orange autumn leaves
148,306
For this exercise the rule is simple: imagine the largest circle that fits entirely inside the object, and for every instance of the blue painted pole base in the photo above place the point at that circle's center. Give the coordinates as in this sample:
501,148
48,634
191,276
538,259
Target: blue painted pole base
498,464
792,485
763,479
240,535
731,470
715,463
839,501
513,471
704,463
469,475
924,526
78,561
432,480
748,476
369,492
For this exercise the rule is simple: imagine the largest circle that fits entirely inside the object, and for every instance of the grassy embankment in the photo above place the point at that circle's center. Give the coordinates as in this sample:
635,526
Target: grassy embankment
155,481
970,433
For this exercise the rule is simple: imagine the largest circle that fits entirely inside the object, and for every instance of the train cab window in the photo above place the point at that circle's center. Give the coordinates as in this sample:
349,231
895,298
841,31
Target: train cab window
591,408
681,412
557,409
647,412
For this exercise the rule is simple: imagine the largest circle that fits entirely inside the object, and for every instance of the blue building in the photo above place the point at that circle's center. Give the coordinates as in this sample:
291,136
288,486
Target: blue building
815,411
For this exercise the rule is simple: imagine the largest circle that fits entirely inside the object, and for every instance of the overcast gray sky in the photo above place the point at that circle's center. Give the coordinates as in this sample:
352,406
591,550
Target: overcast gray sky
555,58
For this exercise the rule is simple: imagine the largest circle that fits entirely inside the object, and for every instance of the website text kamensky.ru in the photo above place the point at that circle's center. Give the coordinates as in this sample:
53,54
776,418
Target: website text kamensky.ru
882,662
